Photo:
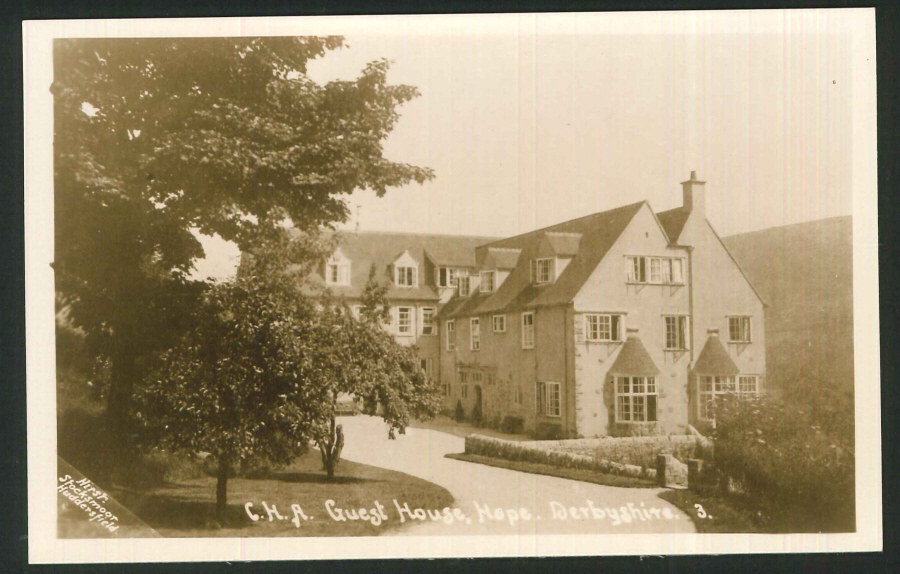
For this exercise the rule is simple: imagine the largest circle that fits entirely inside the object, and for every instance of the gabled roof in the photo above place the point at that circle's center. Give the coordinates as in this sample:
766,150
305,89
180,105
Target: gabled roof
364,249
634,360
673,222
715,360
598,234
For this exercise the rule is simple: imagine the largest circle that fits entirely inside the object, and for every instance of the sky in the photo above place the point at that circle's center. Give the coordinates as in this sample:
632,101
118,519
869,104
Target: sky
527,130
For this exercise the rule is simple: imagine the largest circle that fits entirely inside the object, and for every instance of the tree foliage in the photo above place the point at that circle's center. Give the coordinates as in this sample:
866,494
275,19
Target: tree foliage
259,373
157,137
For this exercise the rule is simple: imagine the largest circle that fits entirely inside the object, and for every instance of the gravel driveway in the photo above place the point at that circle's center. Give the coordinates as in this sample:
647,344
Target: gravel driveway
499,501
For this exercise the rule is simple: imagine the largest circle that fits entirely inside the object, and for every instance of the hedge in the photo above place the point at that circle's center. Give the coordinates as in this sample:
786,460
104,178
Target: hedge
532,452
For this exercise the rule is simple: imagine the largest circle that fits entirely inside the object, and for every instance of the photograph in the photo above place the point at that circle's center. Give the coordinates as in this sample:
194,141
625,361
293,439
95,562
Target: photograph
433,286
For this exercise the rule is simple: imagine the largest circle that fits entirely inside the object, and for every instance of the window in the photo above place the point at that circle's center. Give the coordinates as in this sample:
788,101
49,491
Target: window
428,321
491,378
498,323
407,276
528,330
658,270
337,270
476,376
548,403
517,395
450,326
426,365
676,333
635,399
637,270
748,385
464,391
404,320
710,388
487,281
543,270
447,389
463,377
739,329
603,327
446,276
463,286
475,334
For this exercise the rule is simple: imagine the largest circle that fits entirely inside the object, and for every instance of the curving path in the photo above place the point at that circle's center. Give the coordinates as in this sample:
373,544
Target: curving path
483,494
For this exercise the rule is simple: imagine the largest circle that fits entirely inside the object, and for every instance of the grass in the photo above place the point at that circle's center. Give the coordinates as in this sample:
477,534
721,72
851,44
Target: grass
548,470
721,517
186,508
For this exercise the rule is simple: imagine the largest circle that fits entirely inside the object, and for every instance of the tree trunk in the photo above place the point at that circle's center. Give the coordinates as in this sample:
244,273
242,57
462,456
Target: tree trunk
331,448
222,490
121,385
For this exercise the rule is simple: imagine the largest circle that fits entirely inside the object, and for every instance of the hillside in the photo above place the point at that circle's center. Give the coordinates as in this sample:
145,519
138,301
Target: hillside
804,272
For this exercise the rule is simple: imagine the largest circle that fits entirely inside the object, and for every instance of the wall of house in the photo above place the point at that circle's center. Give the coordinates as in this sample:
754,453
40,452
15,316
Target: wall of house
644,306
720,290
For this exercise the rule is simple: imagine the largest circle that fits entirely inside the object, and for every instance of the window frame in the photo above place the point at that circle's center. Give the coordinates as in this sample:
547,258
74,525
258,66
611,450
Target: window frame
545,402
749,328
446,276
549,269
342,272
494,328
654,269
682,326
528,343
410,272
719,385
475,334
614,337
427,365
493,275
432,331
464,280
450,332
464,390
409,327
631,395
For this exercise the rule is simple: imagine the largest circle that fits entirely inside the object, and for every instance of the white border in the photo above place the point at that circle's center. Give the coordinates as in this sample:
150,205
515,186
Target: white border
857,24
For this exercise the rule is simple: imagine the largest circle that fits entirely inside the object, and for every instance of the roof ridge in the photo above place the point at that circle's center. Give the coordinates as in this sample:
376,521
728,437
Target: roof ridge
544,229
419,233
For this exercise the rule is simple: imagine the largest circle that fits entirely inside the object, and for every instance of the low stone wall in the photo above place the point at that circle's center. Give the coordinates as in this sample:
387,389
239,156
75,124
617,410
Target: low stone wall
550,452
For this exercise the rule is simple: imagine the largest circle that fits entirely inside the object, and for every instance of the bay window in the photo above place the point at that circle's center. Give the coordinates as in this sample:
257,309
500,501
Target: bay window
635,399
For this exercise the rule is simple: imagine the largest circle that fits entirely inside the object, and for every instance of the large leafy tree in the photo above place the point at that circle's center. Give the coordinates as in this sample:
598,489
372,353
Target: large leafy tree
157,137
260,372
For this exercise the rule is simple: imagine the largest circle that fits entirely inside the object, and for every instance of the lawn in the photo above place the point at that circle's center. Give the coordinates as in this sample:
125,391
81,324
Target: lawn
186,508
549,470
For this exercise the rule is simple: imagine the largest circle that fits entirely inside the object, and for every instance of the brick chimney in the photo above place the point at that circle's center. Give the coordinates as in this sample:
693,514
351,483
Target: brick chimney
694,194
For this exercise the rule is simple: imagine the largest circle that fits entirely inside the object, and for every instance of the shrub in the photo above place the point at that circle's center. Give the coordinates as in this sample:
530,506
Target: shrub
460,414
548,431
512,425
799,474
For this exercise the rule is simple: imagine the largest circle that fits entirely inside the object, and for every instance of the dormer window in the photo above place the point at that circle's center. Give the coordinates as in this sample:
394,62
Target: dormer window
407,277
488,279
446,276
464,287
543,270
337,270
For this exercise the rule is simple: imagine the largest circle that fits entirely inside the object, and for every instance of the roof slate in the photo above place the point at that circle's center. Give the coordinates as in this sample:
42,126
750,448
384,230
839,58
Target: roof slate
364,249
564,244
715,360
634,360
673,222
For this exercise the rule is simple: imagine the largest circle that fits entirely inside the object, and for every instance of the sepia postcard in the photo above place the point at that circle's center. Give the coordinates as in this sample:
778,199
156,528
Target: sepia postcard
452,286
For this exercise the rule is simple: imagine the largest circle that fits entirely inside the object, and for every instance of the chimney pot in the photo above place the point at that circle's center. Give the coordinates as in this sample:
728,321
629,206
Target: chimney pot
693,175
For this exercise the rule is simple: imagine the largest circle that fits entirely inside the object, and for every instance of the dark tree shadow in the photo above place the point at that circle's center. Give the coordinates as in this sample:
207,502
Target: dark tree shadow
160,511
309,478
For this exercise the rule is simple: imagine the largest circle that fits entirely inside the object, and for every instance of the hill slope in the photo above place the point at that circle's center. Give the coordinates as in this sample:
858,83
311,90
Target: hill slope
804,272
